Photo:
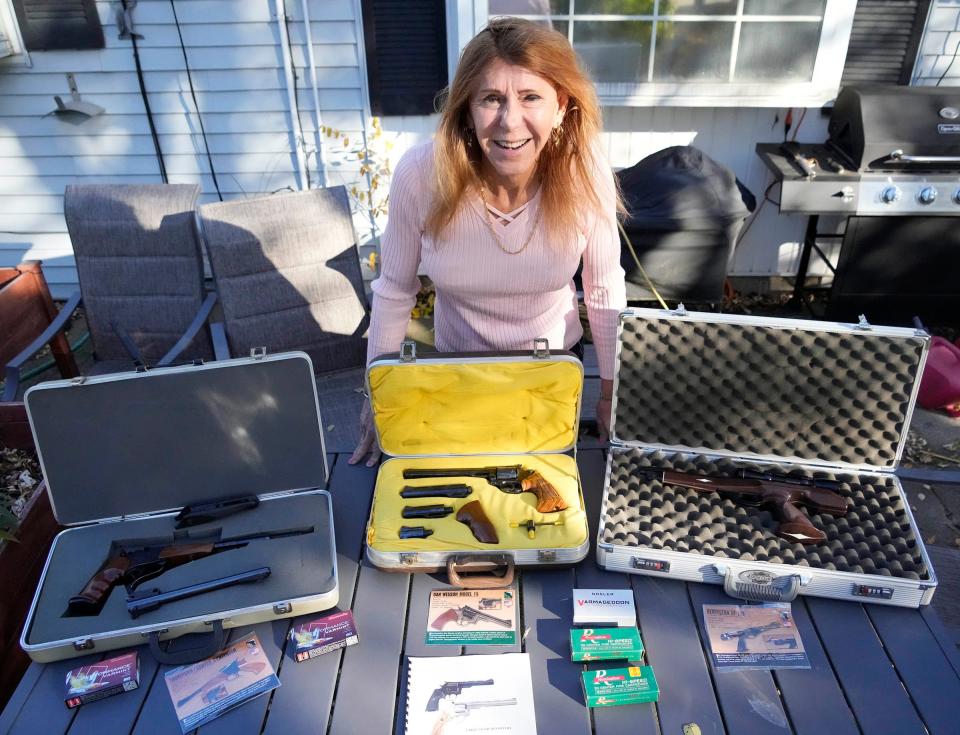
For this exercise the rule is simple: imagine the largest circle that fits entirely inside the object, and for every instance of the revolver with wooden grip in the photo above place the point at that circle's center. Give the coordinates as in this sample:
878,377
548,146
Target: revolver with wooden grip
509,479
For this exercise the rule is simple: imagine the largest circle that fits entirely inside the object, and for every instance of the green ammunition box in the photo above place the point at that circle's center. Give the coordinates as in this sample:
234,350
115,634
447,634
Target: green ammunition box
601,644
610,687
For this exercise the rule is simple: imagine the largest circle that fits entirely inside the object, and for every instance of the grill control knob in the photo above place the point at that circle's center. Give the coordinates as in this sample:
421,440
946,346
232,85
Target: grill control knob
890,195
927,195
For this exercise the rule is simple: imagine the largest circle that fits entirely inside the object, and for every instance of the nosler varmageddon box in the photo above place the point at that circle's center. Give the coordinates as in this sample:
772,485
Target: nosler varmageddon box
601,608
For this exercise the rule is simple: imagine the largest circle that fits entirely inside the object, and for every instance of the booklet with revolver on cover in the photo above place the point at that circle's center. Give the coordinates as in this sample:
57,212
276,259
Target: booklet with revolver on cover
471,617
456,695
208,688
754,637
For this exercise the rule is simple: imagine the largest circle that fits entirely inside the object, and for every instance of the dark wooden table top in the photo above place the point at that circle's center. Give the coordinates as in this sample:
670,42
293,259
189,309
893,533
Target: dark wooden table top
875,669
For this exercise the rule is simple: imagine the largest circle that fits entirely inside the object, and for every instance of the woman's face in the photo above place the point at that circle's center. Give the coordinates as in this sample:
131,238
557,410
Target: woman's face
513,112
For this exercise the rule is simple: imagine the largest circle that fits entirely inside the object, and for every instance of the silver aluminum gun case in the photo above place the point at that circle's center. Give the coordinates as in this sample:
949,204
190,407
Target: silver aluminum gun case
720,395
123,453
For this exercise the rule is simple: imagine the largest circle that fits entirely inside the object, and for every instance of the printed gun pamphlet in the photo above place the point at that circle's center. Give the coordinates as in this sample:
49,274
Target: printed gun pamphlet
472,617
205,690
754,637
455,695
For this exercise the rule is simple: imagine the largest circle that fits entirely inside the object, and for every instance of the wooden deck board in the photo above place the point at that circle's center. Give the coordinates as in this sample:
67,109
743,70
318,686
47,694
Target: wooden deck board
673,649
44,711
102,718
800,687
875,693
930,679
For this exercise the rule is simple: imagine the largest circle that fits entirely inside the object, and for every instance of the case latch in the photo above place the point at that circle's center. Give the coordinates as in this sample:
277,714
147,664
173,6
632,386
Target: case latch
541,348
408,558
546,556
258,353
283,608
758,585
408,351
84,644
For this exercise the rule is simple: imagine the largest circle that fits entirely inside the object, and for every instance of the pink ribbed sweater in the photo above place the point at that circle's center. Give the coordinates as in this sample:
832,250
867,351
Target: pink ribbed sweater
486,299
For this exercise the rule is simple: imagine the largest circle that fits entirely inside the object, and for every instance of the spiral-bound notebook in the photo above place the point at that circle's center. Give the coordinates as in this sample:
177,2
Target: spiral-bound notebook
456,695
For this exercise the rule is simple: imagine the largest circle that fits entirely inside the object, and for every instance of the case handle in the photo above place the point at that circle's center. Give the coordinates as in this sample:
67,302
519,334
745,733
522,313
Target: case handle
213,642
759,586
500,566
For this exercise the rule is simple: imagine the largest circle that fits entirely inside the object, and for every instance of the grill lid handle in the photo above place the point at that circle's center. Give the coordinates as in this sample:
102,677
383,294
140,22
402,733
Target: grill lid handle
898,155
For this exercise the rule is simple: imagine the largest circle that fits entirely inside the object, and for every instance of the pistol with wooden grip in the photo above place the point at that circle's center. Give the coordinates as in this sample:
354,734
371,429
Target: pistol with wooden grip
467,615
512,479
786,496
132,562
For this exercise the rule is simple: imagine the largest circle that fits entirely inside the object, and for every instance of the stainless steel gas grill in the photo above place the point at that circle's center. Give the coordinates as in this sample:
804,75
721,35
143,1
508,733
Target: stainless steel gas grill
892,152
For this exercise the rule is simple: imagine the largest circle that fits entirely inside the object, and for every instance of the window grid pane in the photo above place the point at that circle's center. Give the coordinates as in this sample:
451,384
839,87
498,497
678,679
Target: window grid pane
637,41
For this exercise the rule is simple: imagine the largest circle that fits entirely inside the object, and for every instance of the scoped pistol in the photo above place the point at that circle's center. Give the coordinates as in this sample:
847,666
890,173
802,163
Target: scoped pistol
509,479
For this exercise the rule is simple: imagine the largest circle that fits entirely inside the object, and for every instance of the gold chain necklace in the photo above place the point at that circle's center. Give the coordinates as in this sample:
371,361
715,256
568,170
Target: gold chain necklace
491,225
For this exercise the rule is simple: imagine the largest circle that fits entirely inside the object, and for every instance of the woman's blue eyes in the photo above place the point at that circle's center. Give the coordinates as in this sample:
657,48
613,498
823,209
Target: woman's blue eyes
494,99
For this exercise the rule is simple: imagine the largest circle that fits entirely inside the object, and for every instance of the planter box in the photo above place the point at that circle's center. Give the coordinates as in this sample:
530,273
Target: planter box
20,567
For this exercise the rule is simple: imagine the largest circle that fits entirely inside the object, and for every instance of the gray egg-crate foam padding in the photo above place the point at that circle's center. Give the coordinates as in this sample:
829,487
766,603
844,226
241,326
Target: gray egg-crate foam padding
874,537
806,395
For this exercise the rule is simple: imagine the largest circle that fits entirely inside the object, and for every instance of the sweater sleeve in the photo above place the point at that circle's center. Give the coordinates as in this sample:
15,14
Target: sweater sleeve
604,290
395,291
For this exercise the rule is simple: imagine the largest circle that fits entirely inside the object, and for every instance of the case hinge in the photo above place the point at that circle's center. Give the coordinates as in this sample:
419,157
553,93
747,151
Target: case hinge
681,310
863,324
83,644
408,351
408,558
541,348
546,555
258,353
283,608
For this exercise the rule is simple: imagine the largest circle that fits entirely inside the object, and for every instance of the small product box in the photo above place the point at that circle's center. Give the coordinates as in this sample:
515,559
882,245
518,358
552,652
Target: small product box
323,635
610,687
601,608
601,644
103,679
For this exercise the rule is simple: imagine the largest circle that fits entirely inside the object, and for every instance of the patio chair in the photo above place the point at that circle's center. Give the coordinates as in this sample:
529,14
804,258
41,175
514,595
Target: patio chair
141,273
26,312
288,277
141,278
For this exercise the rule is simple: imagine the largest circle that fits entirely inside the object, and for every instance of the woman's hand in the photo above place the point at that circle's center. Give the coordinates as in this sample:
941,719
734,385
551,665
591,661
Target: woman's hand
368,439
605,409
604,413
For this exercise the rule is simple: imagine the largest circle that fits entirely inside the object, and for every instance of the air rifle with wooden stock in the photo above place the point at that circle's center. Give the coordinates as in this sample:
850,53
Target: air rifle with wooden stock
785,496
512,479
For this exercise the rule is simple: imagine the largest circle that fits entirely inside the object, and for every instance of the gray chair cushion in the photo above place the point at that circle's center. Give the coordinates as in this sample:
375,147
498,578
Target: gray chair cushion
139,265
288,275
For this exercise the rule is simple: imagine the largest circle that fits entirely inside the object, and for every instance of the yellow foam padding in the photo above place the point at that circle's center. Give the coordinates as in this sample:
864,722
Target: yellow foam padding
501,508
480,406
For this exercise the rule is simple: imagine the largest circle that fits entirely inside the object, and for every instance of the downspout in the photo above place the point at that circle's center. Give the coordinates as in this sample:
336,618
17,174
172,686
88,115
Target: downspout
302,178
321,160
365,94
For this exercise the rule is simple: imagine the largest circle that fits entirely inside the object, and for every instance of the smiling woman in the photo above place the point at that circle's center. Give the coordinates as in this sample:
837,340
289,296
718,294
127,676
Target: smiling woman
500,210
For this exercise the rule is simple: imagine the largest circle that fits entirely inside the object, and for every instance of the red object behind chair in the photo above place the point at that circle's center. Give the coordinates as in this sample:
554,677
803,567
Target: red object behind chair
940,385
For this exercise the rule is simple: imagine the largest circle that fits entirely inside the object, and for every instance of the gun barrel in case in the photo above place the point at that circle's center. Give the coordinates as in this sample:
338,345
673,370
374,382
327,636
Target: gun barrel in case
512,413
124,453
815,404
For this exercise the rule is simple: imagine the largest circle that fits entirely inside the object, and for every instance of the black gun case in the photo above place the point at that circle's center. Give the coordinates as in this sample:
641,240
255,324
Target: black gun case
714,394
124,453
447,411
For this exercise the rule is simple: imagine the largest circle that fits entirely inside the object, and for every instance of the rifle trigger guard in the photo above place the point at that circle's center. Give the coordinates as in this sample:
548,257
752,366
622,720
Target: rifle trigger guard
501,569
214,641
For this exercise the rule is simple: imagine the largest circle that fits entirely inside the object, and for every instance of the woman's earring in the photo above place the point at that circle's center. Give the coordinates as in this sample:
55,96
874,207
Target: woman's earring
470,135
557,134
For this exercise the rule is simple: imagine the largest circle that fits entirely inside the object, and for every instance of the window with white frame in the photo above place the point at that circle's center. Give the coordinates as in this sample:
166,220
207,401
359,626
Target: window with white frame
702,52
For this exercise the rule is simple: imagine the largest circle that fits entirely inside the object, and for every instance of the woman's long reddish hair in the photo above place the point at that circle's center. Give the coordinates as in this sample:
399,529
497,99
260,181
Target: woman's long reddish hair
567,167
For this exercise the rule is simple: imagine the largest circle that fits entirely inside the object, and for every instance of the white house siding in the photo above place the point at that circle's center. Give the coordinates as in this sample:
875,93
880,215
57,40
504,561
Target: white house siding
771,246
237,70
940,47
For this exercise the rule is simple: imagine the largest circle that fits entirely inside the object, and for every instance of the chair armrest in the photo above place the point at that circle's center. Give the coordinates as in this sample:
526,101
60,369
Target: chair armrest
13,367
221,349
198,321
